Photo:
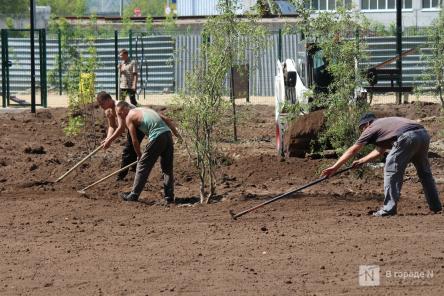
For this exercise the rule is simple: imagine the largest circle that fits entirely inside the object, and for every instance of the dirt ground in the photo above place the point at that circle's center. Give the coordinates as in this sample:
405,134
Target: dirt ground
55,100
54,241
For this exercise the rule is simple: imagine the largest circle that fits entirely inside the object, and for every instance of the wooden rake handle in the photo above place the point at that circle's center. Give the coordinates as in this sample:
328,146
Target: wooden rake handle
106,177
79,163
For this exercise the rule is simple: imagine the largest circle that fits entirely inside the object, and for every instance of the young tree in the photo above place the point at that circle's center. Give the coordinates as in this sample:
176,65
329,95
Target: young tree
335,33
79,63
202,105
435,60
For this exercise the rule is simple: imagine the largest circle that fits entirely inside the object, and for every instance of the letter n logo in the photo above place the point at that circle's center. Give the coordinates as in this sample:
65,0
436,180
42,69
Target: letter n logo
369,275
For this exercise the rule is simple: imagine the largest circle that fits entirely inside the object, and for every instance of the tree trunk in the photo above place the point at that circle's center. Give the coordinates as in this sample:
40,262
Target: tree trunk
440,95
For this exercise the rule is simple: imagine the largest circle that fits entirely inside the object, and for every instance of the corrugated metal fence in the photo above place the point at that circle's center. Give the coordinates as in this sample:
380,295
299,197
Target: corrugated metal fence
164,61
414,65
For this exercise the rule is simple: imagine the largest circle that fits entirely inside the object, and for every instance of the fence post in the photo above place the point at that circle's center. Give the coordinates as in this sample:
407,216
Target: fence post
399,47
43,84
130,36
59,39
280,45
116,61
4,65
8,86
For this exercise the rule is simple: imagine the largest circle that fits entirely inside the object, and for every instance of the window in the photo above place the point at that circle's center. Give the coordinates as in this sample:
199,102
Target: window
386,4
326,4
427,4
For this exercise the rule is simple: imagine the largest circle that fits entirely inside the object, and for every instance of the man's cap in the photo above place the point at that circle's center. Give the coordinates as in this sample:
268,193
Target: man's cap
366,118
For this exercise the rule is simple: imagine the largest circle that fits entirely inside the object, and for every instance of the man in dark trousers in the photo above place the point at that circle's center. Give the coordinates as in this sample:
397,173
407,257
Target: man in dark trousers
128,77
115,128
158,129
408,141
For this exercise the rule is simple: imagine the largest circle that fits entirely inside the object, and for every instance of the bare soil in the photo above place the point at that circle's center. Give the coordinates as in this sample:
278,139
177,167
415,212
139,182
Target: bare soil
54,241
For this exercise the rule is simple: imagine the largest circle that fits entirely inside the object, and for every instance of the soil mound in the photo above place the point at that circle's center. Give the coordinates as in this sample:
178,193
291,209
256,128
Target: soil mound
301,131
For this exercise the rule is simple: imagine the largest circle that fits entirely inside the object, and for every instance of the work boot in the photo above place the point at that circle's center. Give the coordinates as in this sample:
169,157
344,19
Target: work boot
129,196
169,199
384,213
436,211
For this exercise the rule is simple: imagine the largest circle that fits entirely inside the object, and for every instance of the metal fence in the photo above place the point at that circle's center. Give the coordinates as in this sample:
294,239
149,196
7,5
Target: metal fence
164,59
381,49
16,54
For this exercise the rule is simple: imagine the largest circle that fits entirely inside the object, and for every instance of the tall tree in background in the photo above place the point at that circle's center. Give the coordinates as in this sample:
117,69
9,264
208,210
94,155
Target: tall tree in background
64,7
434,55
14,7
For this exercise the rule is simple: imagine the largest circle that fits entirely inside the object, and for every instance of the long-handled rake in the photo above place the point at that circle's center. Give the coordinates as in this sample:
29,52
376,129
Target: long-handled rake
79,163
235,216
106,177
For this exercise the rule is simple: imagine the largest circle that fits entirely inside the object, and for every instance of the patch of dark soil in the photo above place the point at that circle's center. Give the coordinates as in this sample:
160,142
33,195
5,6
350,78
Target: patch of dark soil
68,144
187,200
35,150
30,184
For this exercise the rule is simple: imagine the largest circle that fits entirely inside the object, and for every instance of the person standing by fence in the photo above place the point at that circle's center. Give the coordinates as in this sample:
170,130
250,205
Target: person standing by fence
128,77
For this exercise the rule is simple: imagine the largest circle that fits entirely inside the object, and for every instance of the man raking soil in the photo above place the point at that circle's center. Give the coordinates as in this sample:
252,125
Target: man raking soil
115,128
407,141
158,129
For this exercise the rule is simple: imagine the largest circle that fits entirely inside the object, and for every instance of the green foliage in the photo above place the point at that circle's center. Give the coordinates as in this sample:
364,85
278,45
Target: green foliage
14,7
202,108
127,25
169,24
65,7
79,64
9,23
336,34
147,8
378,29
149,26
292,111
75,125
435,58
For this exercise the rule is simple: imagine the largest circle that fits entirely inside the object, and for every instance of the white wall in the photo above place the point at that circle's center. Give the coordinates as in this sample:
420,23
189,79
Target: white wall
410,17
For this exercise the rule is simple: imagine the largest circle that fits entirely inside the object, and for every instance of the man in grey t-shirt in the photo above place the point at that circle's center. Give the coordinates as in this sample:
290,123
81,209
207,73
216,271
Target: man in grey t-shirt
407,141
128,77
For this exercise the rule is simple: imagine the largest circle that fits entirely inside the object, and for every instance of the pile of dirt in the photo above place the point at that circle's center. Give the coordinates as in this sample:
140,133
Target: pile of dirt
301,132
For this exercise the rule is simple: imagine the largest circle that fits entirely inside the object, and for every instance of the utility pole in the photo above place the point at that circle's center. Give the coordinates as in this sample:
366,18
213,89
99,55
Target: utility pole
399,46
32,11
121,8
